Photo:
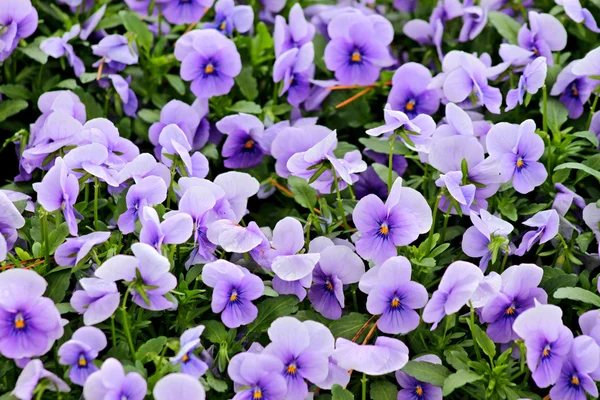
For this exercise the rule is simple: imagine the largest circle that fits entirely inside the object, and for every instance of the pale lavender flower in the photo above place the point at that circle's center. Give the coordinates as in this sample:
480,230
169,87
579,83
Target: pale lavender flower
295,35
89,26
547,340
530,82
181,114
564,198
579,14
574,90
233,237
80,352
57,47
103,131
184,11
486,227
190,363
234,289
176,148
591,217
296,69
546,224
589,322
178,386
143,166
475,18
112,382
257,376
385,356
229,16
91,159
19,20
10,221
31,375
464,194
118,51
576,375
174,230
97,300
73,250
126,94
412,96
458,284
148,191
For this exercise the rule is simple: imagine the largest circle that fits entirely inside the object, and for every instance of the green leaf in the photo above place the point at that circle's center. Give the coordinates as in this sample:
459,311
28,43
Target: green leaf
176,83
247,83
382,146
304,194
427,372
577,294
383,390
579,166
134,24
152,347
483,340
149,116
261,42
58,283
64,308
459,379
343,148
70,84
557,114
457,357
16,91
33,51
8,108
339,393
88,77
93,109
214,332
57,236
590,136
215,384
348,325
271,309
244,106
382,172
506,25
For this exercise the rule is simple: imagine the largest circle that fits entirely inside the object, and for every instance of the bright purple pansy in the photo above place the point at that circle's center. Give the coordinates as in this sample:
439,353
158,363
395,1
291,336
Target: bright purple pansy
97,300
530,82
190,363
257,376
80,351
229,16
546,224
111,382
412,389
73,250
409,92
485,228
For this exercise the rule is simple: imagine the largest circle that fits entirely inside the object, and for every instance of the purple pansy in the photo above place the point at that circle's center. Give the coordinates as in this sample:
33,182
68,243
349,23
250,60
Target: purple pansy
209,60
475,18
574,90
233,237
564,198
190,363
128,97
257,376
591,217
409,92
104,132
456,288
89,26
174,230
57,47
73,250
97,300
397,222
464,194
589,322
295,68
358,48
546,224
530,82
58,190
234,289
31,375
229,16
147,271
393,295
246,143
579,14
384,356
304,349
178,386
175,148
338,266
80,352
143,166
91,159
575,377
547,340
518,149
184,11
118,51
295,35
29,323
148,191
19,20
178,113
412,389
10,221
485,228
518,293
112,382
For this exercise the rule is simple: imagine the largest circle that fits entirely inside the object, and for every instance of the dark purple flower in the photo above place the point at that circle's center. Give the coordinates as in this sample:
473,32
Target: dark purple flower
31,375
148,191
304,349
546,223
547,340
518,293
574,90
385,356
338,266
97,300
209,60
184,11
575,377
19,20
146,271
246,143
29,323
370,183
398,222
80,352
358,49
257,376
530,82
412,389
486,227
409,92
111,382
518,148
190,363
58,191
178,386
458,284
229,16
234,289
57,47
393,295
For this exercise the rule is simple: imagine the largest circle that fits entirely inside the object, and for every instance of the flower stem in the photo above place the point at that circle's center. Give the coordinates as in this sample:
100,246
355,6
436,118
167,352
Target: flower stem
592,110
475,346
339,200
44,229
446,218
96,198
364,386
390,163
545,97
113,333
125,323
504,261
432,230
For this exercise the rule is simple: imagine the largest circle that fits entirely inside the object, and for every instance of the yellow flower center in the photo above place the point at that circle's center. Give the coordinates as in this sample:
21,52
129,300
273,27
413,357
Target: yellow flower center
257,394
291,369
329,286
209,69
575,91
223,25
546,351
395,302
233,296
510,310
419,391
520,162
410,106
82,361
384,230
185,358
249,144
19,321
356,56
575,380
